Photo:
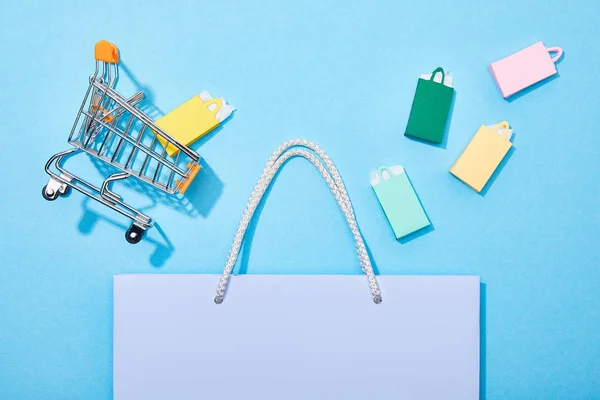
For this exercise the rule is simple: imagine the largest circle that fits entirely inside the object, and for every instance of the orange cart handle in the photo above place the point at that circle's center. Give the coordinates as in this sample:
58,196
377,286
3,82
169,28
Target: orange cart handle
107,52
187,181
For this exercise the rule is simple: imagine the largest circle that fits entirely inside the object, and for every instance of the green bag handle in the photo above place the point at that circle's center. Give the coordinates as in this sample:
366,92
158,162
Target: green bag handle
434,73
384,168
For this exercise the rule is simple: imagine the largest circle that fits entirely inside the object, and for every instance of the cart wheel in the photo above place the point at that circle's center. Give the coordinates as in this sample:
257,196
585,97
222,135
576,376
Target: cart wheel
49,196
65,191
134,234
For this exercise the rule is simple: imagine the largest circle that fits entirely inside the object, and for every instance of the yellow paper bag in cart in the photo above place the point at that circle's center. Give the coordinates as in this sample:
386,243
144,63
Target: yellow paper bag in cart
193,119
482,156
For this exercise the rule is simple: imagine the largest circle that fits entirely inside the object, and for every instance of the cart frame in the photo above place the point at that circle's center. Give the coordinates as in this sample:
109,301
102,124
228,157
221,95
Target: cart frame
100,131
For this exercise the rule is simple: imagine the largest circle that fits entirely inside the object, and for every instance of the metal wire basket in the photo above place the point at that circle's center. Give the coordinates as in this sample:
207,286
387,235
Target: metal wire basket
113,130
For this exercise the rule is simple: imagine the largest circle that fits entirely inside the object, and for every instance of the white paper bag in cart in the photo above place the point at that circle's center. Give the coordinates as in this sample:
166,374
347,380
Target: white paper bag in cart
296,336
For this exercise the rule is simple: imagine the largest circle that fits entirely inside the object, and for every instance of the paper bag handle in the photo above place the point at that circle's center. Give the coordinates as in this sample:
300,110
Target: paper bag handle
506,126
335,183
434,73
218,102
556,50
383,169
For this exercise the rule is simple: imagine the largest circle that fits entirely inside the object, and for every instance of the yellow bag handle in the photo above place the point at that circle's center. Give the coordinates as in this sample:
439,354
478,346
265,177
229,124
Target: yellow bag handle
503,125
218,102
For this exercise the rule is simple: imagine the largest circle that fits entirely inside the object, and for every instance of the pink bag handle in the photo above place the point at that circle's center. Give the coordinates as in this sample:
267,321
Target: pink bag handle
556,50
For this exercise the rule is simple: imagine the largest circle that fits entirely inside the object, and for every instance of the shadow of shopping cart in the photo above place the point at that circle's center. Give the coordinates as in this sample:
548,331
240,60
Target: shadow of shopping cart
163,247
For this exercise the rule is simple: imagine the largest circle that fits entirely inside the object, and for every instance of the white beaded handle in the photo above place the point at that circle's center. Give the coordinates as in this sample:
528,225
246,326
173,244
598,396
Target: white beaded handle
335,183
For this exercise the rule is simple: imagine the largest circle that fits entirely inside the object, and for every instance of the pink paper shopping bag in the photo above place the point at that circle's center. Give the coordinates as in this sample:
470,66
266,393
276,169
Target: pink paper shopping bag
525,68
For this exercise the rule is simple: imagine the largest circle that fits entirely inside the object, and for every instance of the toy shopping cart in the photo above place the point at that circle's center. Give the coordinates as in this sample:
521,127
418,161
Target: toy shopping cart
115,131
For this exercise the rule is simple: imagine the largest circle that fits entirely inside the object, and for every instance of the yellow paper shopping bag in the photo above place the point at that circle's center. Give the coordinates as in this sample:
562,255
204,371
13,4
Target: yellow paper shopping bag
193,119
482,156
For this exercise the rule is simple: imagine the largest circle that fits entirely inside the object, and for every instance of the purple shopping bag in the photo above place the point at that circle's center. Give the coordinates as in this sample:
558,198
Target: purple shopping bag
296,336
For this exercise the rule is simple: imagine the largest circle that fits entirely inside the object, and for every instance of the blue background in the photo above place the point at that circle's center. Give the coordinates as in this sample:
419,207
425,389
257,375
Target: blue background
342,74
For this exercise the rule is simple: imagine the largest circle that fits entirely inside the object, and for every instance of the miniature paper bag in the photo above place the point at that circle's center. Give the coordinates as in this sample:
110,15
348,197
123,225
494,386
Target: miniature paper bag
398,200
193,119
524,68
430,108
482,156
296,337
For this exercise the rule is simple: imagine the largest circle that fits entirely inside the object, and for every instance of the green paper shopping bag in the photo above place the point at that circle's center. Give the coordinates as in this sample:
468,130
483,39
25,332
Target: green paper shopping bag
398,200
430,108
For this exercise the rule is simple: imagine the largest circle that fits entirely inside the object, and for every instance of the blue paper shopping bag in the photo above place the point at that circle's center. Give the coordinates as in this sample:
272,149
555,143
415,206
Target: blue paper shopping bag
296,337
